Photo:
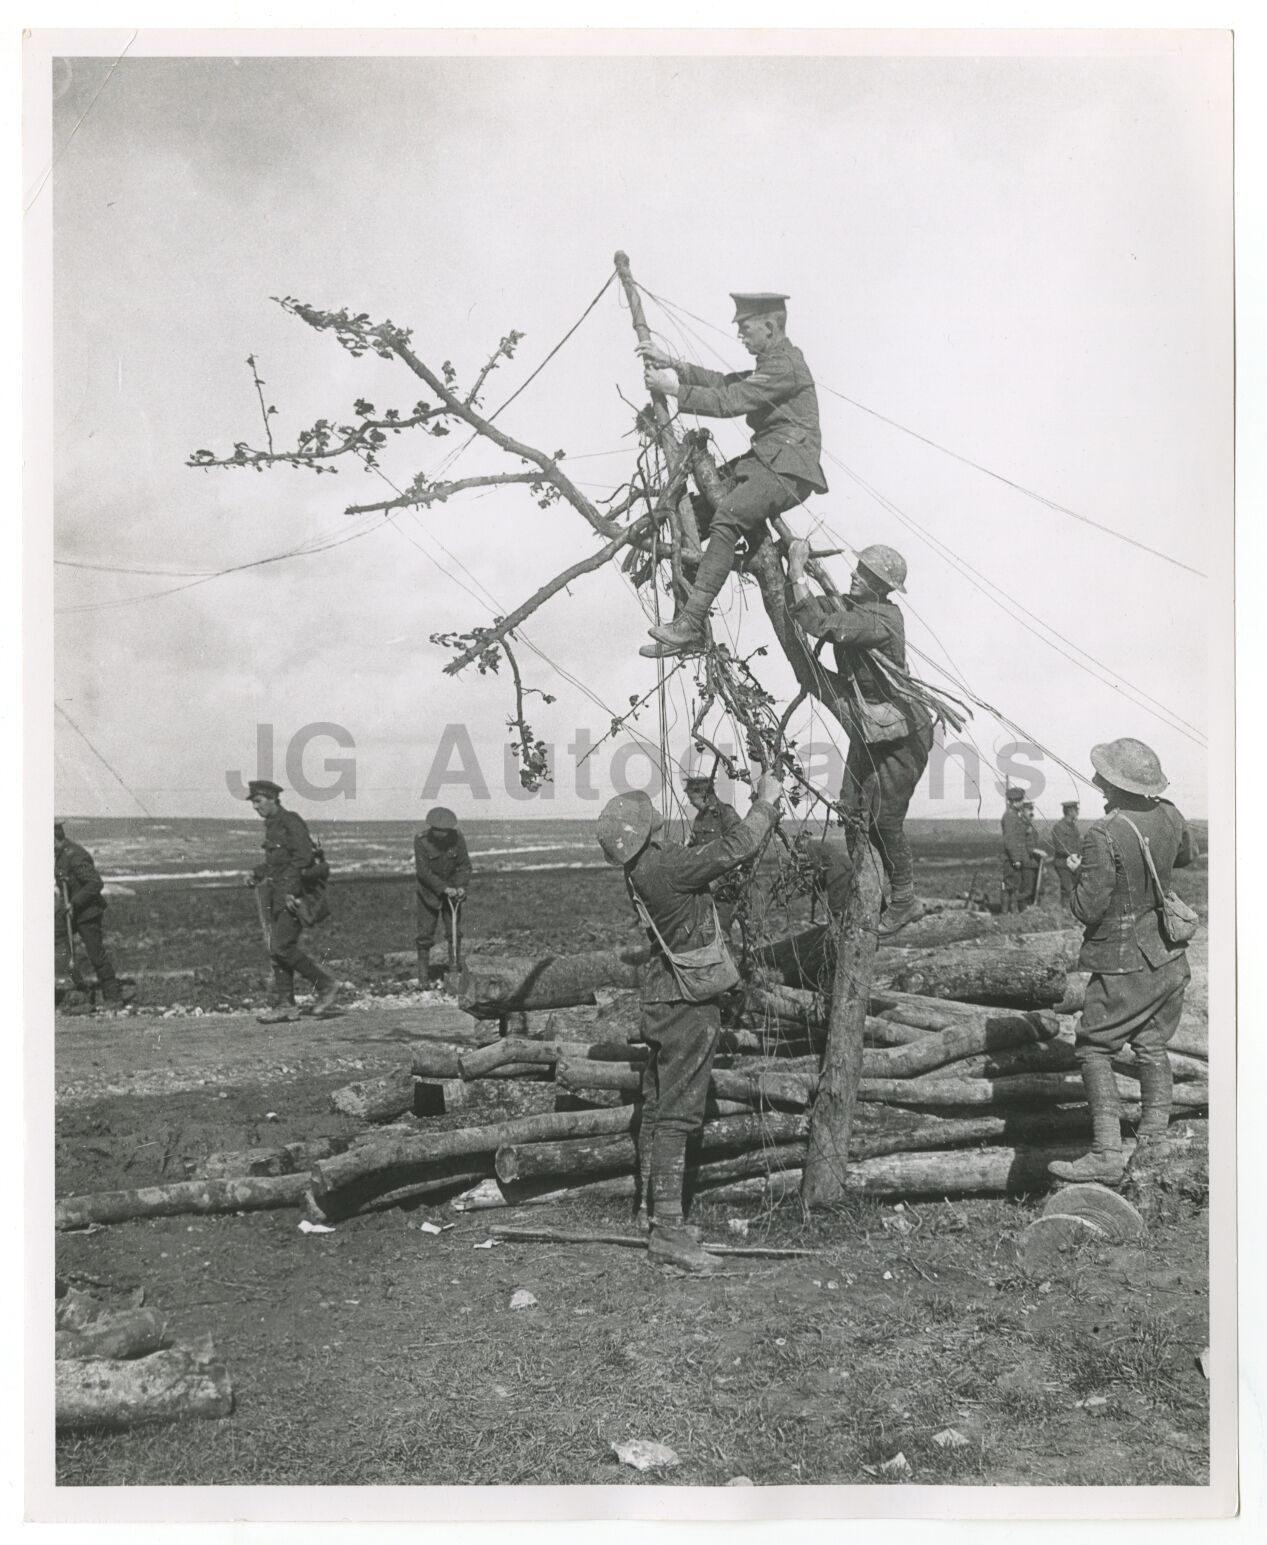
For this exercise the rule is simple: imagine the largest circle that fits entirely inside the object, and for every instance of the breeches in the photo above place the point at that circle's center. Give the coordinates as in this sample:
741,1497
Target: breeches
759,494
683,1039
879,781
90,934
284,933
1140,1007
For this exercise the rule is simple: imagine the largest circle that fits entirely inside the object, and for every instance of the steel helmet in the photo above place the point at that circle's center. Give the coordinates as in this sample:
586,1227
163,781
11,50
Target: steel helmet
625,826
1131,765
886,563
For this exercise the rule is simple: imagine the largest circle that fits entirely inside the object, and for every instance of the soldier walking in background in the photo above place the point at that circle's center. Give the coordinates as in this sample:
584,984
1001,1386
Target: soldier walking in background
1066,842
443,869
715,818
294,899
80,906
891,739
1134,946
690,967
778,472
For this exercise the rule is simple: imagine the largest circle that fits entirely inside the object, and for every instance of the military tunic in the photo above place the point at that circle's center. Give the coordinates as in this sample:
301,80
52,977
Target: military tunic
80,883
1138,979
439,865
713,821
1066,840
1018,851
880,777
288,851
673,883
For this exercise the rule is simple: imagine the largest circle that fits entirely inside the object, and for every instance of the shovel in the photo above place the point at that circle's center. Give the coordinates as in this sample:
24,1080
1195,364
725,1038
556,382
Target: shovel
76,975
454,978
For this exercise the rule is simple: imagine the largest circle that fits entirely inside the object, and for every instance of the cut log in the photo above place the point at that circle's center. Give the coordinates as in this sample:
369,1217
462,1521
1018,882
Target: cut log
183,1196
524,1161
701,1179
376,1099
131,1334
1055,1234
1000,978
1010,1090
384,1190
289,1159
554,982
409,1150
439,1096
170,1386
793,1089
935,1051
984,1171
1110,1213
431,1061
500,1054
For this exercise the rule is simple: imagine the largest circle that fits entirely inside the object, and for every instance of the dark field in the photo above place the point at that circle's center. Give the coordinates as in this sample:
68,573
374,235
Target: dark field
380,1354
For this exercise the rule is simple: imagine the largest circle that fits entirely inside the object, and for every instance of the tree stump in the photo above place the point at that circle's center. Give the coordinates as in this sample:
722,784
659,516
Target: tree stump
169,1386
1111,1213
1054,1235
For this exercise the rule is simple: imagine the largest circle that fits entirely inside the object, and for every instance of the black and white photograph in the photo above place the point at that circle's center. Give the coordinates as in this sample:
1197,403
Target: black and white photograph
636,658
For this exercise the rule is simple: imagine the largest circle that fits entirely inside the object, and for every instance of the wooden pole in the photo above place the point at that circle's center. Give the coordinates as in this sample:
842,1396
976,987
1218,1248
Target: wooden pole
832,1120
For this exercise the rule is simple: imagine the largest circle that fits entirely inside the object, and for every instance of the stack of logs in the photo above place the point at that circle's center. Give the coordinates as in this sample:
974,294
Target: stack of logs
116,1367
956,1097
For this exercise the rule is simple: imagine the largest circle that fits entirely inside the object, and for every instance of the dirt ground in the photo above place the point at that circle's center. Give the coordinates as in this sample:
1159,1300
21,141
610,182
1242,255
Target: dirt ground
382,1354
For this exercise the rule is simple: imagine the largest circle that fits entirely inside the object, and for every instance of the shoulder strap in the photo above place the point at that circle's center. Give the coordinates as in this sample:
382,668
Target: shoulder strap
1147,852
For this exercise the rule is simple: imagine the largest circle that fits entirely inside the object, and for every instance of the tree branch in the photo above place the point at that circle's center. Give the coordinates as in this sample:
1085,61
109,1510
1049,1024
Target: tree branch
422,494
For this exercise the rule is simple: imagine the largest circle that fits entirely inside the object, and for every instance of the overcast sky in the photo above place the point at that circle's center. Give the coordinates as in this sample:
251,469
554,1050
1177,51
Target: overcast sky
1024,259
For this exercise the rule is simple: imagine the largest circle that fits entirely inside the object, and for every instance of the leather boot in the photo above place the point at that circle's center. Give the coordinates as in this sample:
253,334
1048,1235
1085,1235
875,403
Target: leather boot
904,908
671,1244
1106,1162
327,995
1155,1082
681,636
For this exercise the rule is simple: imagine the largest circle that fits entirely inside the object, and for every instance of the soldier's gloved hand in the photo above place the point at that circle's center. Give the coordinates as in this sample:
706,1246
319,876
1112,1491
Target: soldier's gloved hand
292,905
1016,863
460,893
1074,862
653,355
250,881
769,788
451,891
664,380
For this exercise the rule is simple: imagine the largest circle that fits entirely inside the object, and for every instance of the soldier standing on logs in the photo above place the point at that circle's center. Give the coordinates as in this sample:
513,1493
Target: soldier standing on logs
1020,869
891,738
1134,947
779,471
690,967
443,867
1066,841
295,899
80,908
714,818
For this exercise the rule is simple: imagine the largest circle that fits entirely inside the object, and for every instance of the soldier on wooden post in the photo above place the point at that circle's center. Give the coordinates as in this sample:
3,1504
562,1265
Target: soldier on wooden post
1134,945
442,866
690,967
780,469
293,872
890,737
80,906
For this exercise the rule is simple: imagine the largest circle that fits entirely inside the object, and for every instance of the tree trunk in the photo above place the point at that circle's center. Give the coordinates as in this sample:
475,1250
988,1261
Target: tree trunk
406,1151
389,1188
795,1089
1016,1089
376,1099
935,1051
183,1196
130,1334
553,982
164,1387
838,1082
289,1159
1000,977
428,1061
524,1161
488,1059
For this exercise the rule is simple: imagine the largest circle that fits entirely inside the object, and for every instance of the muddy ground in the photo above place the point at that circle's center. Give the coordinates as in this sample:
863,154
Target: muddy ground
382,1354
